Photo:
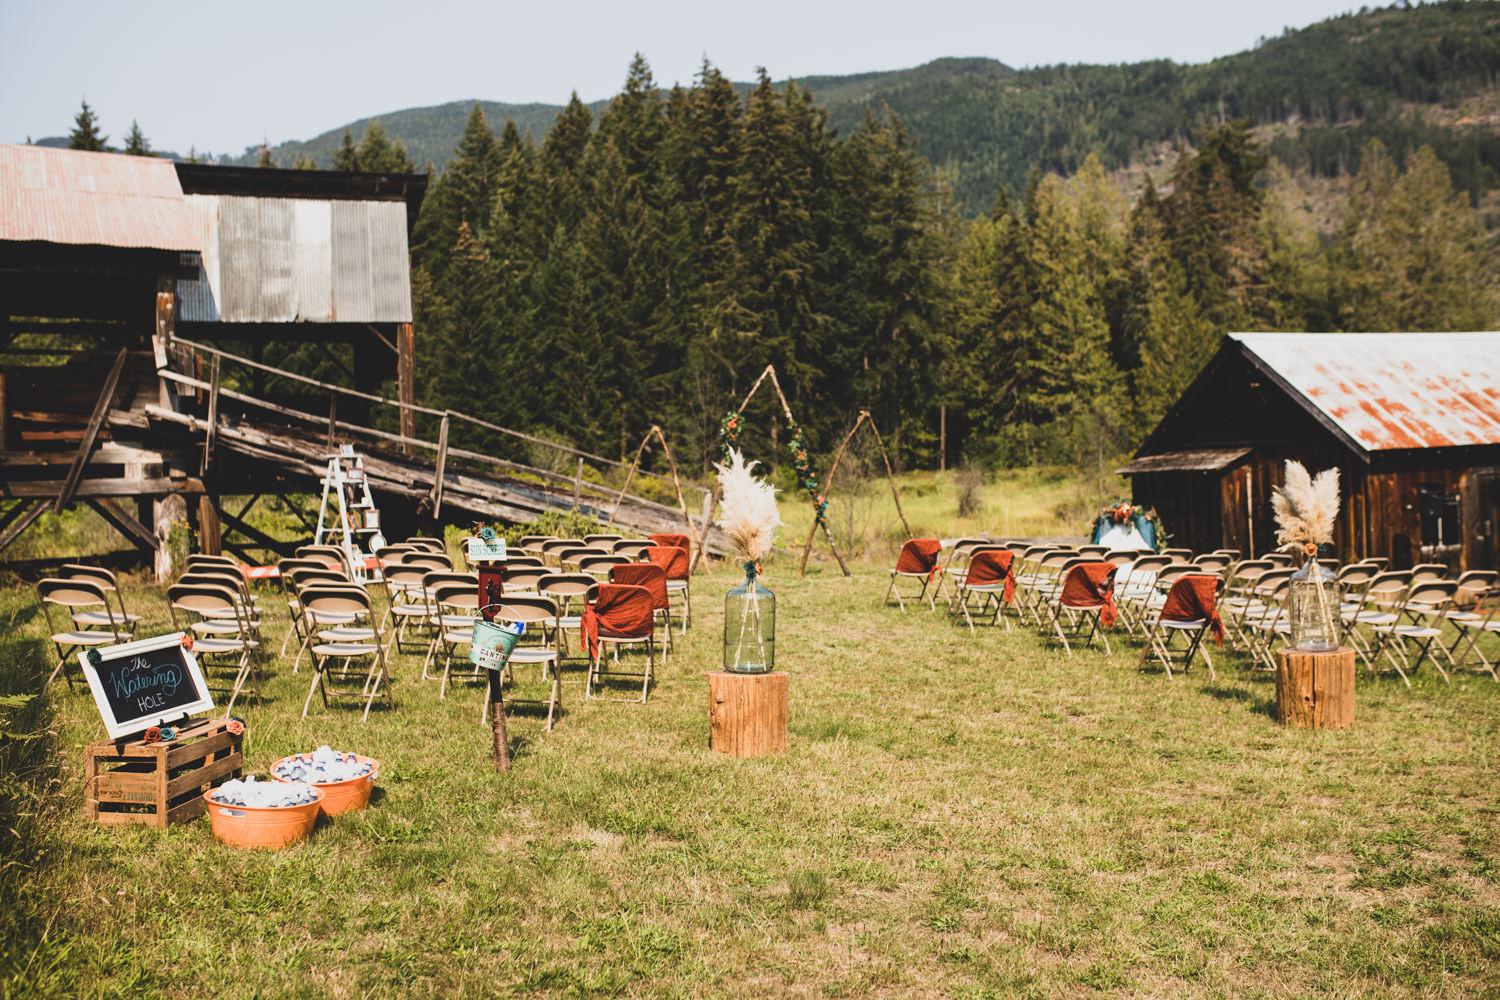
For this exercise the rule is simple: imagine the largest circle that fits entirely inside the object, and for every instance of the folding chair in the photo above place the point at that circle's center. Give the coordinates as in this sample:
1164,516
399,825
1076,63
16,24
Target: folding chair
1267,618
428,543
553,546
1047,580
654,579
599,565
1475,614
631,548
1422,572
106,580
674,561
1418,627
533,543
918,561
1213,562
407,603
76,597
1191,610
565,589
604,541
231,637
436,561
1093,551
1179,555
456,604
517,561
435,625
987,574
1085,600
539,615
345,643
618,615
522,579
1380,605
330,554
672,540
570,557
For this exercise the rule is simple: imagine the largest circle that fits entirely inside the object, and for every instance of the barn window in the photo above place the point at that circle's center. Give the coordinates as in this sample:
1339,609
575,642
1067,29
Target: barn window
1440,521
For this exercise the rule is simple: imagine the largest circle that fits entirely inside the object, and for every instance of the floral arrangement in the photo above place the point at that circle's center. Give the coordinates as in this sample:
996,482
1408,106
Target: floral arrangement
729,433
807,479
749,515
1306,507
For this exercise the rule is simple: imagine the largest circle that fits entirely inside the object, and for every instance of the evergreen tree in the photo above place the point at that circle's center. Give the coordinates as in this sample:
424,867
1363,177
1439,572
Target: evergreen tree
346,157
136,143
85,133
305,162
264,159
465,193
378,154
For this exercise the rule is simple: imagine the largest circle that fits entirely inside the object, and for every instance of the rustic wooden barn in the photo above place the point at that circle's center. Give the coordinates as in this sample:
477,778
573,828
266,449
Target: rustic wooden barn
1412,420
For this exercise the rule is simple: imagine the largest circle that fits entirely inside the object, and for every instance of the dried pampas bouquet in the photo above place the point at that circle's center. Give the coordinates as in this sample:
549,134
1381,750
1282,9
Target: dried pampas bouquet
1306,507
748,511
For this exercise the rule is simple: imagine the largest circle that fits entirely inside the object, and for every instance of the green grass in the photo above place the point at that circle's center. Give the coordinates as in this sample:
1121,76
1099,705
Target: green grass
955,816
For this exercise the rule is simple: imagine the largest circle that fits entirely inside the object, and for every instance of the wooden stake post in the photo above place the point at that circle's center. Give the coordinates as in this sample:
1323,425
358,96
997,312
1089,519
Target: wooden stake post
1315,690
890,477
786,409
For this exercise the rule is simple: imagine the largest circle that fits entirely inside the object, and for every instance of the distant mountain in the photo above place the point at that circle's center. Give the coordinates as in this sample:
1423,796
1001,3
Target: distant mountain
1411,76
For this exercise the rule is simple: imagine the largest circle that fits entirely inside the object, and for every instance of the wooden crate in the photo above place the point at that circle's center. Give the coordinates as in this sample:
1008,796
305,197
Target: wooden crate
130,781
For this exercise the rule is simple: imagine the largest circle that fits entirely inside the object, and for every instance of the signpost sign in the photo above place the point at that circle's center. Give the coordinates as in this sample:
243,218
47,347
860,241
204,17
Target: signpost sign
144,683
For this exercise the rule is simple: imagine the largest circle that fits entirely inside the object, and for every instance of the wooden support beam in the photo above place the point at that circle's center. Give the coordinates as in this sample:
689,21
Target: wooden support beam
125,523
211,437
442,462
18,519
260,538
406,391
333,421
210,534
91,432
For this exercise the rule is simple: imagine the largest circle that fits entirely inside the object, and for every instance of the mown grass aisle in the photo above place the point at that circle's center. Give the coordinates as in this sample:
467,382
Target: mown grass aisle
955,816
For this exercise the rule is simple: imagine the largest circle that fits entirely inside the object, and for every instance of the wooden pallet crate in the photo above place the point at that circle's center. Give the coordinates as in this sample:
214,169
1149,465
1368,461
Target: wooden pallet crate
158,784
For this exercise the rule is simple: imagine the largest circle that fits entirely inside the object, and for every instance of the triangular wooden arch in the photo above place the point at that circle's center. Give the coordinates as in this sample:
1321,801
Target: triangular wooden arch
770,373
890,477
676,482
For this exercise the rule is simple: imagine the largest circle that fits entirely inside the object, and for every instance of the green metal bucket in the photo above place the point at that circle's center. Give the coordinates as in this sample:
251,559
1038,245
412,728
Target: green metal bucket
491,645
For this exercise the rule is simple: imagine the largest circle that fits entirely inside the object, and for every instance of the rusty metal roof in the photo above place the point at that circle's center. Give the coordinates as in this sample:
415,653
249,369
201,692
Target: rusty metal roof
1389,391
96,199
298,260
1200,460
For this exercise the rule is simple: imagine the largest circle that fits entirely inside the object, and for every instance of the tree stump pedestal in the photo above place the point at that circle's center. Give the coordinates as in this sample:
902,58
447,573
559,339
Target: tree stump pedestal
747,713
1315,690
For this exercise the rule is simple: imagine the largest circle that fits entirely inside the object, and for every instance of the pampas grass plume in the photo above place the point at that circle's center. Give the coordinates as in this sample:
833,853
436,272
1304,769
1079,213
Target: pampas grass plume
748,512
1306,507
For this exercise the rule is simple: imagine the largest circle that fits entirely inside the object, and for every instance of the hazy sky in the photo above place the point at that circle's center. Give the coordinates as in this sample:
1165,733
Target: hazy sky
220,75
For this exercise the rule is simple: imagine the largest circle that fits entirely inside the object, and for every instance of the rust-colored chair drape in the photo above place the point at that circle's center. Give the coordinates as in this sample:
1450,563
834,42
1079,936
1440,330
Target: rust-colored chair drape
990,567
1091,585
919,557
620,611
648,575
672,559
672,540
1194,598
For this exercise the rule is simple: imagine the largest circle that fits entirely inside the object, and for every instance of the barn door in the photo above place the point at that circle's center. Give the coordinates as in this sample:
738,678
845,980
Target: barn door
1482,519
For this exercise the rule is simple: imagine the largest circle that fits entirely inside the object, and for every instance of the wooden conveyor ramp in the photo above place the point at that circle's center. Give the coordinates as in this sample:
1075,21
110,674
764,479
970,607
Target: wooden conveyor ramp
256,445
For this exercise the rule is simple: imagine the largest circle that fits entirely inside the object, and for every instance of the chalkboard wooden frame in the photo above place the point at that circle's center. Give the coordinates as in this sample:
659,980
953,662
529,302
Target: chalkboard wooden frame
117,727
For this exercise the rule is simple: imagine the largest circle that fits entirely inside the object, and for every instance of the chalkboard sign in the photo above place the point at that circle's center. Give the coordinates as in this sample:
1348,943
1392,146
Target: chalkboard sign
145,683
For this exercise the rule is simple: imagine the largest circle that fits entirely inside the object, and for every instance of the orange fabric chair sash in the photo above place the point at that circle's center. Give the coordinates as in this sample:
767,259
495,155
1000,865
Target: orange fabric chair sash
1194,598
670,540
990,567
919,556
1090,585
672,559
621,611
648,575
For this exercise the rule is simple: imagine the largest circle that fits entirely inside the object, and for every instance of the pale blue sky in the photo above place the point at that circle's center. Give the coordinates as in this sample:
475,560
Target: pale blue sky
222,75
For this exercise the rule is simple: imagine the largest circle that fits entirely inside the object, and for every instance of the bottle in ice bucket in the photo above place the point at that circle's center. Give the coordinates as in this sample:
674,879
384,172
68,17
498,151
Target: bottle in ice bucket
492,642
750,626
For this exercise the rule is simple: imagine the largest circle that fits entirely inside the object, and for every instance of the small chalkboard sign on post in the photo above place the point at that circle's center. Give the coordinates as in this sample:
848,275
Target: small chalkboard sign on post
144,683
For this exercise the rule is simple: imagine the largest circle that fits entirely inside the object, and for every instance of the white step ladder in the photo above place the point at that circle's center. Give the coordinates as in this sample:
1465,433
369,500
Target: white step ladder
347,517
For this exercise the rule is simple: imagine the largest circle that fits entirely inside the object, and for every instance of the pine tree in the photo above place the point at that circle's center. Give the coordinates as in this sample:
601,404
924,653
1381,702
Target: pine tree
264,159
136,143
378,154
305,162
465,193
85,133
346,157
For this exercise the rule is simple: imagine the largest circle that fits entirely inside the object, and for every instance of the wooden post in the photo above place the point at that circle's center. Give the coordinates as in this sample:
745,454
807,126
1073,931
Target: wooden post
497,722
1315,689
578,484
91,433
4,413
442,462
210,535
333,418
406,392
747,713
212,435
890,475
943,437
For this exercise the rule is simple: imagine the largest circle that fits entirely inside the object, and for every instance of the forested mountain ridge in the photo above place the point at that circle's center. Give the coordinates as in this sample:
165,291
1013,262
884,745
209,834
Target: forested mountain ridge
1337,83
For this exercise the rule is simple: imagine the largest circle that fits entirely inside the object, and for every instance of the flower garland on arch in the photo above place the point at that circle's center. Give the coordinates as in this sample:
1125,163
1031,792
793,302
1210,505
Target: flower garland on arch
1146,520
807,479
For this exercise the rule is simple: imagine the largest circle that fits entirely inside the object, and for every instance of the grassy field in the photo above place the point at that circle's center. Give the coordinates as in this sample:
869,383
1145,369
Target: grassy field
955,816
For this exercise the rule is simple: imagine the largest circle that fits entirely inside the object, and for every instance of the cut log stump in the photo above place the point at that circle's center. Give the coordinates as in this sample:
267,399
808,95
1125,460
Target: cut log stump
1315,690
747,713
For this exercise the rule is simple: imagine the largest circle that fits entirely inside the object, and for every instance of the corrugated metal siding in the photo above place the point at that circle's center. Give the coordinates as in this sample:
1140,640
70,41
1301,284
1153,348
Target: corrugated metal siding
96,199
285,260
1393,390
